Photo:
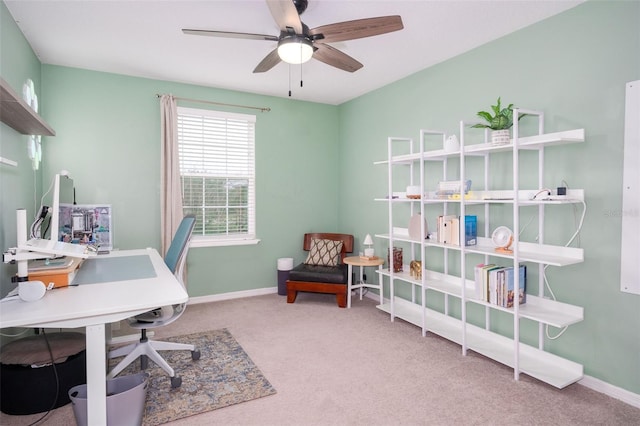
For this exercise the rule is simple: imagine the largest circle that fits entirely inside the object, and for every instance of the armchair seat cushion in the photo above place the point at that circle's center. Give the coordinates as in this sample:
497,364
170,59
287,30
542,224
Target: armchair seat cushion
323,274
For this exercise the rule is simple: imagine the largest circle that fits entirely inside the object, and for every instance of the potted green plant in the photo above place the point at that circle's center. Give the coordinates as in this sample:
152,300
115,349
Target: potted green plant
500,122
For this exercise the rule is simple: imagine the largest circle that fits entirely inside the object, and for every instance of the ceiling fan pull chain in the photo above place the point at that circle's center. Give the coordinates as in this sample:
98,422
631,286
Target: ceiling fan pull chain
300,75
289,80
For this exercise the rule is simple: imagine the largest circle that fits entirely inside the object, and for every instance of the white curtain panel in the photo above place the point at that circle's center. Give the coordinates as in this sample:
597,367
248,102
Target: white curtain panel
170,188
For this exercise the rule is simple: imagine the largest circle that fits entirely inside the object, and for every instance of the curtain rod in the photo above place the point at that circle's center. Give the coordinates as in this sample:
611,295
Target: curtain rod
262,109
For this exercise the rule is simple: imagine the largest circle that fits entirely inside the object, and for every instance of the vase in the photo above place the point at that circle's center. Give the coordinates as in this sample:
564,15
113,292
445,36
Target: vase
500,137
451,144
396,261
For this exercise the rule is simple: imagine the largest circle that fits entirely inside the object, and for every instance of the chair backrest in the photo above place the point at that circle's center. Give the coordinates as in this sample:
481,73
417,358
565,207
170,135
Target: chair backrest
347,241
177,253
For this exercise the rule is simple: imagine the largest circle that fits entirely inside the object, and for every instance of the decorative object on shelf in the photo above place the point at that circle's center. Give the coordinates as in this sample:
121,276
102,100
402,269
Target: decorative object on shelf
415,269
415,223
499,123
448,188
34,150
397,259
451,144
369,251
413,192
27,91
502,237
18,114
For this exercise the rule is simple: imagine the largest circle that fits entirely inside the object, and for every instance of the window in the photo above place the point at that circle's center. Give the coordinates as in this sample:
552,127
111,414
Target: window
217,169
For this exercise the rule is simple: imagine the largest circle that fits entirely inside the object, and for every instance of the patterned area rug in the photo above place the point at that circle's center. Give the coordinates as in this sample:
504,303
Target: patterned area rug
224,375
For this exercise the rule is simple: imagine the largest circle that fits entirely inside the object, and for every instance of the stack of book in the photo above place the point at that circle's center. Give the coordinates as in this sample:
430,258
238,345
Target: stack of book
495,284
449,230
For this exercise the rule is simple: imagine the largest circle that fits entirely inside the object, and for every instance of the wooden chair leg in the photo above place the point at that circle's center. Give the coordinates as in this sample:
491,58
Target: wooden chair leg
291,296
342,300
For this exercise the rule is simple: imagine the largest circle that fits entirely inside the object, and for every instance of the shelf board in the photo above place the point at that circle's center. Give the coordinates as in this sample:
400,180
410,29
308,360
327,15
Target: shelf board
527,142
530,142
15,113
542,365
546,311
530,252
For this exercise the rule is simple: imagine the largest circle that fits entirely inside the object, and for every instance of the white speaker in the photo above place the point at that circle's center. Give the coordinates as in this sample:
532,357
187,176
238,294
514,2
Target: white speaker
30,291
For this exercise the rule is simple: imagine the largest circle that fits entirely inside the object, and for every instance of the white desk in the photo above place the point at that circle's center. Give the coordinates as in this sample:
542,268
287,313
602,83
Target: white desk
92,306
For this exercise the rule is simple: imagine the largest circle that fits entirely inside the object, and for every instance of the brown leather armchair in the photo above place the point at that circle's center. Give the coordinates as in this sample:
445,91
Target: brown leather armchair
319,278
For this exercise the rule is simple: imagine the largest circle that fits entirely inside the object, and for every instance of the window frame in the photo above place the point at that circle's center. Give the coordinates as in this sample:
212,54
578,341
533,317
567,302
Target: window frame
250,237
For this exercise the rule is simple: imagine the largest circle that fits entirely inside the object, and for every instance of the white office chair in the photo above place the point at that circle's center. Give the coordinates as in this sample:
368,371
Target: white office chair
175,259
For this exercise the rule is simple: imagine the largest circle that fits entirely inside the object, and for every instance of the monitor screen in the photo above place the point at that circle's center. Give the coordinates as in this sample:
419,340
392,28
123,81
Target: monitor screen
63,193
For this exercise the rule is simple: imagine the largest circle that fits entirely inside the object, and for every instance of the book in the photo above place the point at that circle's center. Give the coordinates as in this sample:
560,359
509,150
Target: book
509,296
455,231
470,230
449,230
485,281
444,229
477,278
493,279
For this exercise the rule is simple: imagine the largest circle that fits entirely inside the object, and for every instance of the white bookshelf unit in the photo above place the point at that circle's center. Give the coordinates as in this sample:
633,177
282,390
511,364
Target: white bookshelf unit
438,301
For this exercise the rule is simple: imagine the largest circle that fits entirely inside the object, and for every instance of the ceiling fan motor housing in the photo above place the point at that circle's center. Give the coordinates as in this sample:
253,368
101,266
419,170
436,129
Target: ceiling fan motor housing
301,5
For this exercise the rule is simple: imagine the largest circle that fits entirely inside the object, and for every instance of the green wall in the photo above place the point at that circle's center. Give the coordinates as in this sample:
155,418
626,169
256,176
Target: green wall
315,162
574,67
108,137
19,186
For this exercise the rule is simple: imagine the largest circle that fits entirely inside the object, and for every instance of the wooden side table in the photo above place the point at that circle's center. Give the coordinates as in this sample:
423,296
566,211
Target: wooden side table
362,263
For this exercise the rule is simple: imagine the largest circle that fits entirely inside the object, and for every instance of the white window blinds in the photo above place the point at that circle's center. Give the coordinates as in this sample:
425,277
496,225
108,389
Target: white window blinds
217,168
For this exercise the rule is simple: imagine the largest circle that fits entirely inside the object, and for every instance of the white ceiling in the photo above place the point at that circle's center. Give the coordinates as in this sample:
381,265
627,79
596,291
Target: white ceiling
144,38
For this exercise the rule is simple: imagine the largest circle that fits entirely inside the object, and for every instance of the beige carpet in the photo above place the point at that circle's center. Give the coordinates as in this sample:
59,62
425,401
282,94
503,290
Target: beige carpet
353,366
224,375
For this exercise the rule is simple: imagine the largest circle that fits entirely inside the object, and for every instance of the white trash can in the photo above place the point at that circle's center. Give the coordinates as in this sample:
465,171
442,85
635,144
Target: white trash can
285,264
126,398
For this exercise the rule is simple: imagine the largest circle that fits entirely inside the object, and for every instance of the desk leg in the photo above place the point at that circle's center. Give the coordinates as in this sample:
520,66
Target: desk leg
96,375
349,284
361,280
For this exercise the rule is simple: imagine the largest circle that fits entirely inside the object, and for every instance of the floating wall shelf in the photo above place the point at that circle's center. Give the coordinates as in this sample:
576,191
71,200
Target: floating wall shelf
15,113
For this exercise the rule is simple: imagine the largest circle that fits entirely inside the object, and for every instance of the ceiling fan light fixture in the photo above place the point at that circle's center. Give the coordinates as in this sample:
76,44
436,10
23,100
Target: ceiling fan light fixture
295,49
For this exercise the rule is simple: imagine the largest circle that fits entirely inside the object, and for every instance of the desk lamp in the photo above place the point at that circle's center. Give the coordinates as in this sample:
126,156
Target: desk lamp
368,242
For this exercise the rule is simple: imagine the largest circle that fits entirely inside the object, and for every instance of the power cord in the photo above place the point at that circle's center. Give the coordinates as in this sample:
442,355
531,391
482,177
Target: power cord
41,213
55,372
544,274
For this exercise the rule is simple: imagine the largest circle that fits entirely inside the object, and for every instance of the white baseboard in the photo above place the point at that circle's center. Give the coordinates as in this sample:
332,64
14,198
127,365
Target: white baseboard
588,381
611,390
232,295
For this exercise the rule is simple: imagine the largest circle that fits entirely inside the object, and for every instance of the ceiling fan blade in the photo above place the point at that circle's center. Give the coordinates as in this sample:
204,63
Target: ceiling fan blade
359,28
229,34
285,14
269,61
335,58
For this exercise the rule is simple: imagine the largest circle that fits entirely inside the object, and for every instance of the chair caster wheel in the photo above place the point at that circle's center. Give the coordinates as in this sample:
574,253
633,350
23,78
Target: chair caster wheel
195,355
176,381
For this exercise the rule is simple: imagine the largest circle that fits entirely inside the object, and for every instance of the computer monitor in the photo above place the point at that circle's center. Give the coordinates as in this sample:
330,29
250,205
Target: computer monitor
63,193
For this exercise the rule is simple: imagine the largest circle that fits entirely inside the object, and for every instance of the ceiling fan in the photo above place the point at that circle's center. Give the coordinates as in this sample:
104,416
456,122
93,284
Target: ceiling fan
297,43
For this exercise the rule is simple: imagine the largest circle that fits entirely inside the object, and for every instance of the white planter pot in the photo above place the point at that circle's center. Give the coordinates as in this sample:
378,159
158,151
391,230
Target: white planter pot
500,137
451,144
